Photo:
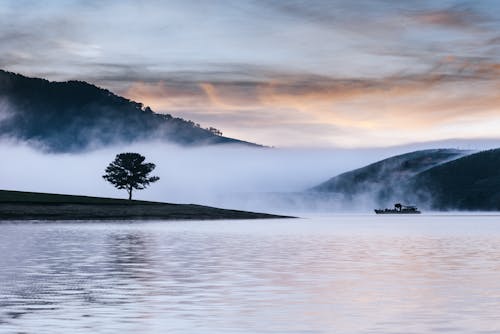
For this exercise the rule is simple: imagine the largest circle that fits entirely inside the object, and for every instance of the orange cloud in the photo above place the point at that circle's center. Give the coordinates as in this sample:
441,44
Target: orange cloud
400,107
452,17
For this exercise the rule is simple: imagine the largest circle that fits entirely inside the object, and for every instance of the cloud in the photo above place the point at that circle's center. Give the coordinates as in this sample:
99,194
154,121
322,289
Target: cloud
355,67
494,41
356,107
80,38
456,17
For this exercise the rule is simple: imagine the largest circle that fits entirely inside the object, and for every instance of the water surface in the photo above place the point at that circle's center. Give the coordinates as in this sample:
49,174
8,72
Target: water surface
337,274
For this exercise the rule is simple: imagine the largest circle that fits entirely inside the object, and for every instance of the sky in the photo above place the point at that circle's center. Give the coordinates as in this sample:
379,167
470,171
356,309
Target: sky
281,73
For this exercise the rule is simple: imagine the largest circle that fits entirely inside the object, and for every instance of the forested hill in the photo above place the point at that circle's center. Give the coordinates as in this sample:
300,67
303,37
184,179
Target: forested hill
469,183
75,115
444,179
383,181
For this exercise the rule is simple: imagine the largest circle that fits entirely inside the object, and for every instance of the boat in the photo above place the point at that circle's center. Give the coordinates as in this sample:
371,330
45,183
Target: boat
399,209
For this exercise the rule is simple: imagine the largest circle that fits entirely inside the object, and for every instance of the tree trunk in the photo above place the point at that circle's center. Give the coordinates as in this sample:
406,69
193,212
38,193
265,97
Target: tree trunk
130,194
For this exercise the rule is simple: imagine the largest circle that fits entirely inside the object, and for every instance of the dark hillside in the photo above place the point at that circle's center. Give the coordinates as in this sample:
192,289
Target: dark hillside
385,180
469,183
75,115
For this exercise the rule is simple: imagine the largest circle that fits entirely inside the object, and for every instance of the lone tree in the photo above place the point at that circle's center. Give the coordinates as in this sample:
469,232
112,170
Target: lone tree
128,171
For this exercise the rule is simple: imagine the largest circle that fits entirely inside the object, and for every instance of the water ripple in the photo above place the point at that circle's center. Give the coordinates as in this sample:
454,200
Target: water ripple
322,275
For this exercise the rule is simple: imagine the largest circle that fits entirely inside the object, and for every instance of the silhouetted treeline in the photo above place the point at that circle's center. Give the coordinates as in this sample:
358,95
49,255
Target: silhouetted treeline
75,115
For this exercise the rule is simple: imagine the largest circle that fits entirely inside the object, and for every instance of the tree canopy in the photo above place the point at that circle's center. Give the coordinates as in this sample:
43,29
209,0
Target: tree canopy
129,171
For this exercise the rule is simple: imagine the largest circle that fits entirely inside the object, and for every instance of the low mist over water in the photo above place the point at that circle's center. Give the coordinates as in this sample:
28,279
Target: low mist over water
337,274
233,176
224,175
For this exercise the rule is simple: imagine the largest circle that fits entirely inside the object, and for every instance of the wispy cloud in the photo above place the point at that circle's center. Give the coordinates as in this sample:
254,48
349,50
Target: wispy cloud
347,107
322,72
457,17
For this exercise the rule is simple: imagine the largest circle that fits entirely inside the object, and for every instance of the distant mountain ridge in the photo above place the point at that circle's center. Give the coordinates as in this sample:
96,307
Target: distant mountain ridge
75,115
390,180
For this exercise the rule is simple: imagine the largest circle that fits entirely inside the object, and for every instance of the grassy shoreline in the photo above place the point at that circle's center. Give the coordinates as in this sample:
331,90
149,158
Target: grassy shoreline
20,205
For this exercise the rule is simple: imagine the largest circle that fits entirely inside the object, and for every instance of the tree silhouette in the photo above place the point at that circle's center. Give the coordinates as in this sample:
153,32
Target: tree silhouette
215,131
128,171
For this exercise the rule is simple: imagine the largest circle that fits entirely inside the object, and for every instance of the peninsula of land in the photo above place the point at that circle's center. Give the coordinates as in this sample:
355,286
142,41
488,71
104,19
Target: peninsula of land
19,205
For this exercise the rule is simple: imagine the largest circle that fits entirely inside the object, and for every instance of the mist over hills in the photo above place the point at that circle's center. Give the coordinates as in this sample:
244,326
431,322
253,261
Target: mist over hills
471,182
385,181
75,115
433,179
438,179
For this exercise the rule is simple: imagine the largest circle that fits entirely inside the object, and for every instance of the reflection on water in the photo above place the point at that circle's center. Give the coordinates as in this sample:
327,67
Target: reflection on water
342,274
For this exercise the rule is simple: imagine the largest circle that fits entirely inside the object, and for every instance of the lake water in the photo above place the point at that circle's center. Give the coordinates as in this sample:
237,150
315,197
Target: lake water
337,274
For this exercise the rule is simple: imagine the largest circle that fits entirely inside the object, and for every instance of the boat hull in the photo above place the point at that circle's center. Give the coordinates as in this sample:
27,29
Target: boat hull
395,212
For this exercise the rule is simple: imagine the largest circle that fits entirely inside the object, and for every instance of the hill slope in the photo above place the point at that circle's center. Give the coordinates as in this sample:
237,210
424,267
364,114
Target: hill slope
385,181
75,115
469,183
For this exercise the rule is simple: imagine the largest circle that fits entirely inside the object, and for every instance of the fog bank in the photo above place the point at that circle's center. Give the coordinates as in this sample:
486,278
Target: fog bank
230,176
